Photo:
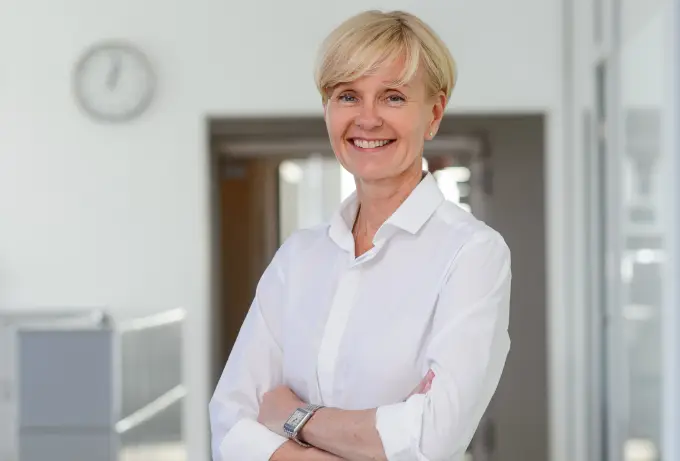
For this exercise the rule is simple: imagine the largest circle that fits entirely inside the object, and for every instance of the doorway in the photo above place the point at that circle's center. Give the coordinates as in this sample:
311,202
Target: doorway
273,176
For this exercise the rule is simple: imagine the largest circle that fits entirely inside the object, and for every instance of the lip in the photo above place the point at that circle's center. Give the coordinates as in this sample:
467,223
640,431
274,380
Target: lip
387,146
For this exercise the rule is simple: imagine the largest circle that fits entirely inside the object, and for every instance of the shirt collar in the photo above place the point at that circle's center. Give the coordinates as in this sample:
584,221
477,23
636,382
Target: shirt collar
411,215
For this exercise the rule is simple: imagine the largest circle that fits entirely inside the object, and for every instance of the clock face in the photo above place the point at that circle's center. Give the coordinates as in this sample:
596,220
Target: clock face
114,82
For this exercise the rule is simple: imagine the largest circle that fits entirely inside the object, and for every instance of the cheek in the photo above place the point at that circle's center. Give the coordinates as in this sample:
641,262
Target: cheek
409,125
412,134
336,123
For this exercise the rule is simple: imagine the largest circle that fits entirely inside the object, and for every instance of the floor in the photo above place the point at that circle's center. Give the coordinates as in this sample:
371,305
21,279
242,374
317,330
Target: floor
158,452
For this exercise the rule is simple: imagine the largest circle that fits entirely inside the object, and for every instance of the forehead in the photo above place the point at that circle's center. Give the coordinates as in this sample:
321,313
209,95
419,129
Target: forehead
389,75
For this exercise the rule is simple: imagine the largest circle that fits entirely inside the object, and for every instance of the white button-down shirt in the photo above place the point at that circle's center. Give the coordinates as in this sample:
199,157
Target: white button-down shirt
360,333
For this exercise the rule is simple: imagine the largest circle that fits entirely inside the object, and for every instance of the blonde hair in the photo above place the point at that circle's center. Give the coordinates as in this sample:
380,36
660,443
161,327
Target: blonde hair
361,44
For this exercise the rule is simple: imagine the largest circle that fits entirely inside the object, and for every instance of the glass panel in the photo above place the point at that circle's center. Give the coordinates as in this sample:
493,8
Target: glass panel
310,190
152,388
641,104
598,20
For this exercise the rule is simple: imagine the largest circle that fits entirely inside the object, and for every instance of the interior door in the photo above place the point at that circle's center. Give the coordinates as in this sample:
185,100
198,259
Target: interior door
248,237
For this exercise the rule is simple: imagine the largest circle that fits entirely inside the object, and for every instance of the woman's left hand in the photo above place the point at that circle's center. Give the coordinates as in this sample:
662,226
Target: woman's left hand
277,406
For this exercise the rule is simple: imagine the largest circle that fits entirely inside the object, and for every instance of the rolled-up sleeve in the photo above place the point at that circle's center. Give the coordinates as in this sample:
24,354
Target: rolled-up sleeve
253,368
467,353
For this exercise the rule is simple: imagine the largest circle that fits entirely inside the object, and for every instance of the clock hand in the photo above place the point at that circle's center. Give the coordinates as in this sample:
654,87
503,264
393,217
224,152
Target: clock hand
114,73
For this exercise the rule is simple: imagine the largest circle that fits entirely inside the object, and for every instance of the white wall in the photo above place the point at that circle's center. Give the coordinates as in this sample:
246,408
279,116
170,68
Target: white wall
117,215
645,54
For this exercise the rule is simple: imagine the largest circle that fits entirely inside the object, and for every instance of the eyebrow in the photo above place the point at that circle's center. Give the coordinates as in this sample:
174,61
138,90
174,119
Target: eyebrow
395,84
392,85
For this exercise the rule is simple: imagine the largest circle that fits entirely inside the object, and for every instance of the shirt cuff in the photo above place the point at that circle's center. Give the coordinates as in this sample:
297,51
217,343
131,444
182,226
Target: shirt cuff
399,426
249,440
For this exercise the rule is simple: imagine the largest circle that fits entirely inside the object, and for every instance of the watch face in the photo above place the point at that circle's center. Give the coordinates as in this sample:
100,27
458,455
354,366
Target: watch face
296,418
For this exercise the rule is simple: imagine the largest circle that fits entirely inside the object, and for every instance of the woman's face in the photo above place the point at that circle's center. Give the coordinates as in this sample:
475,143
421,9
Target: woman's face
377,130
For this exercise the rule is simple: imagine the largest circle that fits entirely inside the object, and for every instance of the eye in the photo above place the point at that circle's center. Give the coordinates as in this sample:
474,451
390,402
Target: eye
346,97
396,98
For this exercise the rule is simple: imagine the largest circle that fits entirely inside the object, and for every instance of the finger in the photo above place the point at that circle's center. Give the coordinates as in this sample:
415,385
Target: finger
419,388
424,384
416,390
427,382
427,379
422,387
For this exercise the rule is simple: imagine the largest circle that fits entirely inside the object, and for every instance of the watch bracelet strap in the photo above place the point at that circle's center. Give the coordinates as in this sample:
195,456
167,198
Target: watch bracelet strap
311,409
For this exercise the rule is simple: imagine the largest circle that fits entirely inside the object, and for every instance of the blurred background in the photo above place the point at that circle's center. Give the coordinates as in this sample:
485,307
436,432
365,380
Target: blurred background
153,155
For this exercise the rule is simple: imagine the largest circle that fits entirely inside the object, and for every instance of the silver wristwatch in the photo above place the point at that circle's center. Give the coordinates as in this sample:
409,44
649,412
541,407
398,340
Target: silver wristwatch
297,421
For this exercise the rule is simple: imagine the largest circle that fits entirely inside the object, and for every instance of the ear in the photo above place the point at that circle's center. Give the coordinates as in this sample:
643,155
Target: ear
438,108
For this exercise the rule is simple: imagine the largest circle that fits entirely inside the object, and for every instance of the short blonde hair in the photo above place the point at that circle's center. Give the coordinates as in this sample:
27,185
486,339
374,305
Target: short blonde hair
370,39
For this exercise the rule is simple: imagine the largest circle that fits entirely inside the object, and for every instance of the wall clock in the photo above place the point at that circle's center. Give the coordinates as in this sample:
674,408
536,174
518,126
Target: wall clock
114,82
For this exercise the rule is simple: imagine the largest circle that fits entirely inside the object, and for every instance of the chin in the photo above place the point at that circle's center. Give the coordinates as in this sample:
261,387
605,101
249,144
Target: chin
374,172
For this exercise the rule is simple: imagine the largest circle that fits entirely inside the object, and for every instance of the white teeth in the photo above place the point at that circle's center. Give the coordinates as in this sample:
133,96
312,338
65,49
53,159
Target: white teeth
370,144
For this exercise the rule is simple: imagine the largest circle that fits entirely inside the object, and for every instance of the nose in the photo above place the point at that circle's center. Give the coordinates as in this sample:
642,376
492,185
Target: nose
368,117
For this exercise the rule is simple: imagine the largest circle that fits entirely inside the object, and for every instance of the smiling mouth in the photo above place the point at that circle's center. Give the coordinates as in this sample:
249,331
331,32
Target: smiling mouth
370,143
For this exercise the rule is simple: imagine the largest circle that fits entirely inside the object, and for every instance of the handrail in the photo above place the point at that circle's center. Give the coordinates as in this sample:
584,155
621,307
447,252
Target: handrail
152,321
168,318
16,314
154,408
137,328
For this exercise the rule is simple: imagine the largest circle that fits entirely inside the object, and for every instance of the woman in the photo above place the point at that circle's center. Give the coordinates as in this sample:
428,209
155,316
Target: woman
382,334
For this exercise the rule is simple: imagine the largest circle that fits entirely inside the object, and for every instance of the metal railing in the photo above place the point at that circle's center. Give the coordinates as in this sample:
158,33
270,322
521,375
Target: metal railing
152,389
145,373
10,320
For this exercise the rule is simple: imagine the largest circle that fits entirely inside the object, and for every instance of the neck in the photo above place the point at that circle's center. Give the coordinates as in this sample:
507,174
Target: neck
378,200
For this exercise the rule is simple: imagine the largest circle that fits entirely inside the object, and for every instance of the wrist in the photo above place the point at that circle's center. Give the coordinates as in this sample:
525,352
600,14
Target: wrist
306,434
291,451
297,421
